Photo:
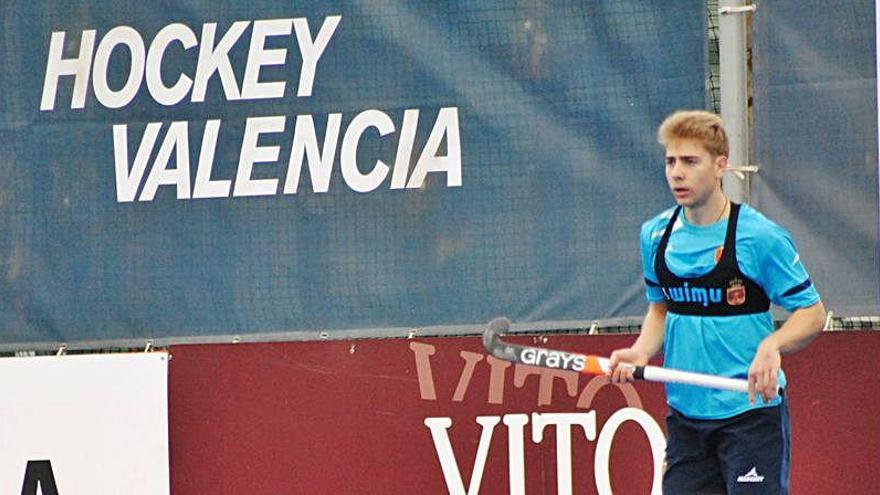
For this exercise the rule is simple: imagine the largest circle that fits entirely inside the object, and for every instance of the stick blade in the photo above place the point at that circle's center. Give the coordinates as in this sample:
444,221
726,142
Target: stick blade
494,329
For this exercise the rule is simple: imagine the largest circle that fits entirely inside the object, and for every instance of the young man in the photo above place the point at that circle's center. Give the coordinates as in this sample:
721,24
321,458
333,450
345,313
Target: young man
712,268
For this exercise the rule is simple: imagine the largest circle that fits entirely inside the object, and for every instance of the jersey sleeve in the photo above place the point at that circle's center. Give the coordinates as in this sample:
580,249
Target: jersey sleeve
648,243
781,272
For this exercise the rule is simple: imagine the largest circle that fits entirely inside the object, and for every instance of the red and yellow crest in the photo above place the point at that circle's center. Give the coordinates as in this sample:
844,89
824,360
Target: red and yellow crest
736,292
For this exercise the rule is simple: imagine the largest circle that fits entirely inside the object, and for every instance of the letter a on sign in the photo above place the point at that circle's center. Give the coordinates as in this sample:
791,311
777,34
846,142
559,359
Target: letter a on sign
39,473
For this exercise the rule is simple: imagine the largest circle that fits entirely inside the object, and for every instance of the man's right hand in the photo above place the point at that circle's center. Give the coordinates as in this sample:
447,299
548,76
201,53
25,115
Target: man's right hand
649,343
629,356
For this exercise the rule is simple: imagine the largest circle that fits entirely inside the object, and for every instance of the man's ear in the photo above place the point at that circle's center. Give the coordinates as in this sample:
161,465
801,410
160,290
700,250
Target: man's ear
721,164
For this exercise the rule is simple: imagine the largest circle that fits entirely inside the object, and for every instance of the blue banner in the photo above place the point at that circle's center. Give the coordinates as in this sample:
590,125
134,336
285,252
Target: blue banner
206,168
816,142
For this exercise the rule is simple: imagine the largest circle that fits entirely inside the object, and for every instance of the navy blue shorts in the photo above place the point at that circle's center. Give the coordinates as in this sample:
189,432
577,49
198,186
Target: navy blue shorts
748,453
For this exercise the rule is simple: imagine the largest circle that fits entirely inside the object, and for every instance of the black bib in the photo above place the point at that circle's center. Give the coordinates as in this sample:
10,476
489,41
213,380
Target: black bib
724,291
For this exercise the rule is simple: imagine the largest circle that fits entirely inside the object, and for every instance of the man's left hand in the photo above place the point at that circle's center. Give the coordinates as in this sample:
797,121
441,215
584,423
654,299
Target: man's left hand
763,372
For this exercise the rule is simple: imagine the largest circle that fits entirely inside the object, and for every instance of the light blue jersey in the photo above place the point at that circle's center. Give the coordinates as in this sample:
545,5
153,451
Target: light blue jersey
722,345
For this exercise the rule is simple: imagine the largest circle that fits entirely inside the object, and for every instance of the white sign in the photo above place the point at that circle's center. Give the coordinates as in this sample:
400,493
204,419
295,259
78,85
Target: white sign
84,425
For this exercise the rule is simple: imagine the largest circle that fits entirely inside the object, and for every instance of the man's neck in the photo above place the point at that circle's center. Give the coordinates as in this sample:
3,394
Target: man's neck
710,212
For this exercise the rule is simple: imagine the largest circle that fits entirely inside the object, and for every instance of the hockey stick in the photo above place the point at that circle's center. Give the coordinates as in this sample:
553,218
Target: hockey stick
594,365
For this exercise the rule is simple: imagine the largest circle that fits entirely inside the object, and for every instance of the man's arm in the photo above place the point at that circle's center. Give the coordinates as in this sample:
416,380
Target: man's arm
799,330
648,344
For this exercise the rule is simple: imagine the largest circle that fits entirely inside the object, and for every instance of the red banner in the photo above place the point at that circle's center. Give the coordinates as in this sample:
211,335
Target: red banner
440,416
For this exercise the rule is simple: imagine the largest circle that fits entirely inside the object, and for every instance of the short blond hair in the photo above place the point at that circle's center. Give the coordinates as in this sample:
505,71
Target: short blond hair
701,125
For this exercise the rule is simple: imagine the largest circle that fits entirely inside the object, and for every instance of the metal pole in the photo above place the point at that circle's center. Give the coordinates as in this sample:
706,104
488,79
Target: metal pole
733,75
877,74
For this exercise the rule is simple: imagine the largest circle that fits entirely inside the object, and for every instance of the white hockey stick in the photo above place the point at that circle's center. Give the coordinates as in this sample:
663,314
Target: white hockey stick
594,365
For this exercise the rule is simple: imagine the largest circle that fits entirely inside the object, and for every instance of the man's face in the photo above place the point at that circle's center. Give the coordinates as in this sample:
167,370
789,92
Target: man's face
692,173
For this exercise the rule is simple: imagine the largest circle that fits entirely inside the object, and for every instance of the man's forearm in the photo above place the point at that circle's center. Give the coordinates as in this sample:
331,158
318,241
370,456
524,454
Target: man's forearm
799,330
650,339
